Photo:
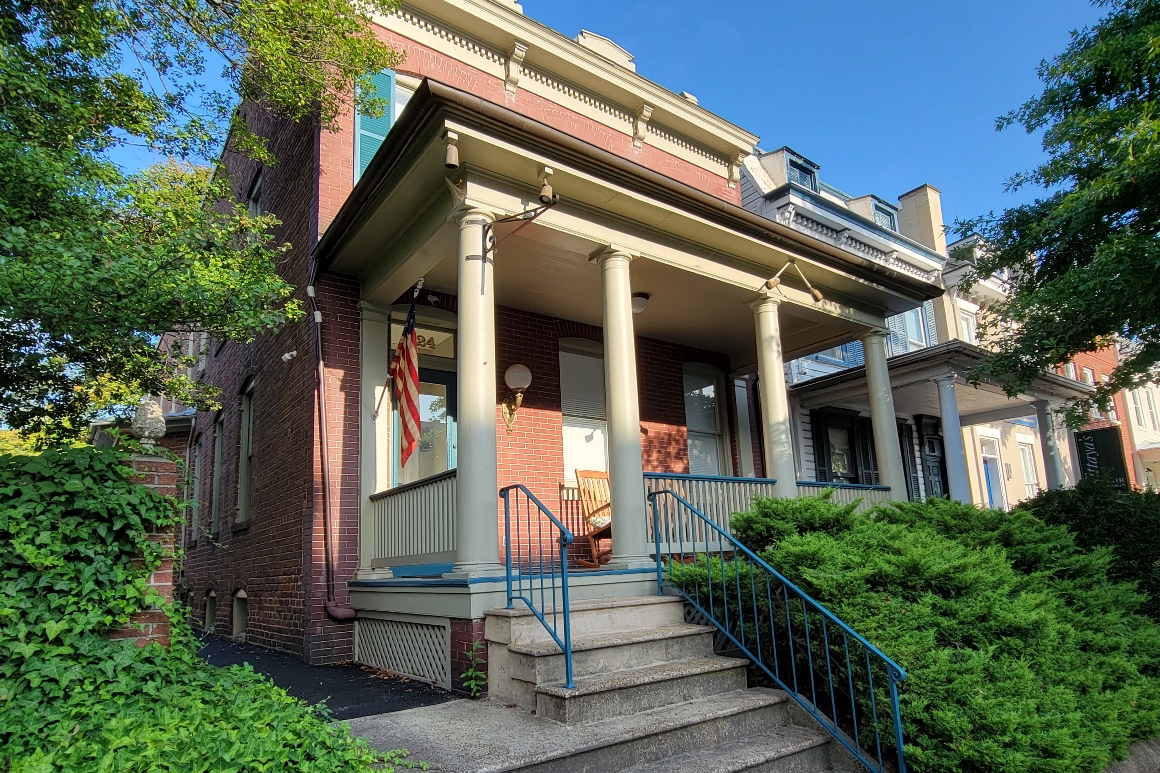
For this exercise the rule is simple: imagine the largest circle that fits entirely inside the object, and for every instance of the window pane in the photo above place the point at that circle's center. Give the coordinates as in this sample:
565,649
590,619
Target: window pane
1152,417
841,459
582,385
704,454
585,447
969,332
700,403
430,458
912,322
1138,406
884,218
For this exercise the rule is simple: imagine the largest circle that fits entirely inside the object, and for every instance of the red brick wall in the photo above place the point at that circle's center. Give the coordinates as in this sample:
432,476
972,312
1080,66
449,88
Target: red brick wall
276,558
152,625
463,634
1103,362
337,148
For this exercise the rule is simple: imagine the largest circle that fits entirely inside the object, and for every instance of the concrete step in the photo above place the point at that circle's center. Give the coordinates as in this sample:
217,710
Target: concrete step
543,662
786,749
619,693
589,618
627,743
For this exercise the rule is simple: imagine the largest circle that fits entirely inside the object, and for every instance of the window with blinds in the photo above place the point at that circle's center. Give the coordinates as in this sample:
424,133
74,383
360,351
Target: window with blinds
582,403
369,132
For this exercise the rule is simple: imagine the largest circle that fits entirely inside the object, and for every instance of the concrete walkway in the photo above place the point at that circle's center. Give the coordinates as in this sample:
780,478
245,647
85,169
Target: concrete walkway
349,691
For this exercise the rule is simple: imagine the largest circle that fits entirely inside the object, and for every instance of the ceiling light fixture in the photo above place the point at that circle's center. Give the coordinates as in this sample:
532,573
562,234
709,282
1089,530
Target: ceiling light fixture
639,302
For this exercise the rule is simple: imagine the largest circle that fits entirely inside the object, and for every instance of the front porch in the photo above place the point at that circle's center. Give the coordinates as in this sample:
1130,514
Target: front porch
654,324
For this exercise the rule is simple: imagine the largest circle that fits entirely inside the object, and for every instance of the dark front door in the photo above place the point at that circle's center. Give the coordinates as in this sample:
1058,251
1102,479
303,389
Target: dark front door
843,447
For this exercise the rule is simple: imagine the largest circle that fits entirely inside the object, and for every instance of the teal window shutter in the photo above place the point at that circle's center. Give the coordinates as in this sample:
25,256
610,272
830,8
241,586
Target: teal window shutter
369,132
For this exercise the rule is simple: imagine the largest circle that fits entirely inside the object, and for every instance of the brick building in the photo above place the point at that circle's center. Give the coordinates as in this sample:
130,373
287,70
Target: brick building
655,305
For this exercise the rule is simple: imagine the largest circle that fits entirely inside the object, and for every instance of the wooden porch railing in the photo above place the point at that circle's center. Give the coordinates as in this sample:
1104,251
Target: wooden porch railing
415,523
714,496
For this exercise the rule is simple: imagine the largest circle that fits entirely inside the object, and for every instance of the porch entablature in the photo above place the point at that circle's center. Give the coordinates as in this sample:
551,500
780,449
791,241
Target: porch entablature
404,199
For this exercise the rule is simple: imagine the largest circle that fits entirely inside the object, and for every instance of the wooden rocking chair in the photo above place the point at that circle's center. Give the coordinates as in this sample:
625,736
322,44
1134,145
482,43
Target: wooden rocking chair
597,509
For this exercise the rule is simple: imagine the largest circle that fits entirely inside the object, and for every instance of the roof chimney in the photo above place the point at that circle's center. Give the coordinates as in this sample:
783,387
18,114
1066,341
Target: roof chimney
920,217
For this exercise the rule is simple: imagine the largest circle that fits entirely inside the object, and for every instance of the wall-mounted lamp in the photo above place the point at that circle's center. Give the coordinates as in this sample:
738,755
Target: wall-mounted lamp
518,377
639,302
546,194
451,155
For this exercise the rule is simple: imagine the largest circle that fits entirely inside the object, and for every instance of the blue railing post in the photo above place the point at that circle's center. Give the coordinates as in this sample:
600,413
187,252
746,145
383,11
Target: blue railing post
863,698
560,627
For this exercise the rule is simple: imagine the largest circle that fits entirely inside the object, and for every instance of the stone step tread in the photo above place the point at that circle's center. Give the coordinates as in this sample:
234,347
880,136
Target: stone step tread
618,680
743,753
522,610
617,639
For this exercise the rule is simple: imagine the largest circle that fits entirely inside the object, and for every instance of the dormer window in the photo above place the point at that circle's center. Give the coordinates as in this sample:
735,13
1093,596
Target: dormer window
885,218
803,175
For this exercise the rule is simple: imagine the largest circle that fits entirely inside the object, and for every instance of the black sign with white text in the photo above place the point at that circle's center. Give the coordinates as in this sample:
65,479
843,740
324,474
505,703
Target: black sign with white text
1101,452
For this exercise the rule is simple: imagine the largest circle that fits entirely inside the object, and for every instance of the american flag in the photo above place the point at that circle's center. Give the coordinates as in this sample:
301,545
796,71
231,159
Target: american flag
405,374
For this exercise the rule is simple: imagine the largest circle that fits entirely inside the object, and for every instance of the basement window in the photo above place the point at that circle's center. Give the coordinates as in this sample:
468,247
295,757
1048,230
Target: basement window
241,615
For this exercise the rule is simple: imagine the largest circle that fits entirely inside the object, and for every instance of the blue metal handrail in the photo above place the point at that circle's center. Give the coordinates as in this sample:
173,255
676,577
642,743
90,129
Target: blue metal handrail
747,605
526,563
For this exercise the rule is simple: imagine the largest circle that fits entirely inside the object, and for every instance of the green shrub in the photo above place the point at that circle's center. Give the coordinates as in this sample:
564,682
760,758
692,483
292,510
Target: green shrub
1099,514
1022,655
72,538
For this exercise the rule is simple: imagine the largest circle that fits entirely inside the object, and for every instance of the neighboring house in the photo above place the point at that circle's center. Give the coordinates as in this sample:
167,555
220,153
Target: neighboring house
1144,423
932,348
655,307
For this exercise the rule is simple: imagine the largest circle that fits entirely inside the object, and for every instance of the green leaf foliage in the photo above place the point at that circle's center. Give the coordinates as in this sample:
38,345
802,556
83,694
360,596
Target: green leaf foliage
1126,521
1084,260
74,559
96,265
1022,654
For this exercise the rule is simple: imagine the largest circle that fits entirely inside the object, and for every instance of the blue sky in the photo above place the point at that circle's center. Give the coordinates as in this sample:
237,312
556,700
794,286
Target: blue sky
885,96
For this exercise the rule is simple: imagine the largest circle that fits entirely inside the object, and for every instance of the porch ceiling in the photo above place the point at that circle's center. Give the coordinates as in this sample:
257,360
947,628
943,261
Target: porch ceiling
914,392
550,272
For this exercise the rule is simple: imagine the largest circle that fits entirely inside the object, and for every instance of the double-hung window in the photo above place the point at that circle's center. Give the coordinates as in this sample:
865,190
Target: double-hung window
1030,476
582,405
245,453
969,324
1138,407
1152,415
215,506
706,436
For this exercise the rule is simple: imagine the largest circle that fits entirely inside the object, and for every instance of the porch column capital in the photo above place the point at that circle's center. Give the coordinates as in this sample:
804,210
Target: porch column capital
874,334
764,302
468,216
613,252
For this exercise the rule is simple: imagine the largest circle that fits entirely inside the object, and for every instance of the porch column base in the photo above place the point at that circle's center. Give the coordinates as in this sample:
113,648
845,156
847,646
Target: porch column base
471,571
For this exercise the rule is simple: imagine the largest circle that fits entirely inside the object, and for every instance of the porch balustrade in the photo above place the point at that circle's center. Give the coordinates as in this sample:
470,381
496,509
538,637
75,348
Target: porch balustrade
414,523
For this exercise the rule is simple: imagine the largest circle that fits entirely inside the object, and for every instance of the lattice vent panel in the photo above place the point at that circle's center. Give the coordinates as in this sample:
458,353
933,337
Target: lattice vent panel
417,650
721,643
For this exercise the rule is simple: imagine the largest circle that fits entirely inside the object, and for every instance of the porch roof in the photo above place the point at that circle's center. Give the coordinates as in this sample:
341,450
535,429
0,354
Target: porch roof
915,392
411,158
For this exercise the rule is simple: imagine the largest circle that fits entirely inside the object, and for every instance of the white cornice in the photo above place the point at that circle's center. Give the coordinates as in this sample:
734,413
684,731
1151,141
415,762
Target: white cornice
498,25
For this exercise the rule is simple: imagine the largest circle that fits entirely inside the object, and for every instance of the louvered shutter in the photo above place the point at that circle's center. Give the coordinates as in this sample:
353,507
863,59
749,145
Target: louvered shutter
868,467
369,132
821,458
897,335
855,354
928,323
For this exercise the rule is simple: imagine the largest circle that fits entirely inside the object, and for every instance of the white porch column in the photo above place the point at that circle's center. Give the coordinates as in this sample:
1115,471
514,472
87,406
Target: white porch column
777,435
477,487
958,481
886,447
622,408
1052,463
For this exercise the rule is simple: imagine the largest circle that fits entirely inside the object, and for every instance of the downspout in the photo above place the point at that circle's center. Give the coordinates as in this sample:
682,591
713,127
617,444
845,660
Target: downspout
333,610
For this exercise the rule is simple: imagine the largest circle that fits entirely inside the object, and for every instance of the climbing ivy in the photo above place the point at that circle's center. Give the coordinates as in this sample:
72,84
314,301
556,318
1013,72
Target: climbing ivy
74,561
